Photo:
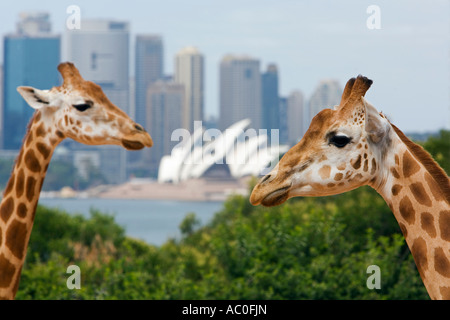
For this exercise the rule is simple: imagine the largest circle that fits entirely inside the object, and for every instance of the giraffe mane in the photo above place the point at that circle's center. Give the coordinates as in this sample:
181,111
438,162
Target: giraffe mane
438,174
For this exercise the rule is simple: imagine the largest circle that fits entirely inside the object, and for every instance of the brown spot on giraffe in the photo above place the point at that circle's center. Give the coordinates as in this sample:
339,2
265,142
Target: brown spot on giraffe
330,185
366,165
30,188
397,160
441,263
338,176
43,149
444,224
6,209
324,172
407,210
19,158
20,182
395,173
9,186
22,210
60,134
410,165
402,227
342,166
8,270
16,238
396,189
29,138
427,224
420,194
357,163
31,161
434,188
40,130
419,252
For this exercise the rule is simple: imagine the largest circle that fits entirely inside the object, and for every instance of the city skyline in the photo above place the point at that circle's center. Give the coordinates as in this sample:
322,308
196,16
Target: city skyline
308,42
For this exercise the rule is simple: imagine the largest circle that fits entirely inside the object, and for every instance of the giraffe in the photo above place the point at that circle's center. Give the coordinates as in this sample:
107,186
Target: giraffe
77,109
353,145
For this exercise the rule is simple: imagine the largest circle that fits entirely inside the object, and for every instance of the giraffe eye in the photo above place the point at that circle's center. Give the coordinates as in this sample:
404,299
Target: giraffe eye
82,107
340,141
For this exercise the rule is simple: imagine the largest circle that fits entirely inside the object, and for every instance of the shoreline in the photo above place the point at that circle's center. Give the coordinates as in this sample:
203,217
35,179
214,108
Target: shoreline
195,190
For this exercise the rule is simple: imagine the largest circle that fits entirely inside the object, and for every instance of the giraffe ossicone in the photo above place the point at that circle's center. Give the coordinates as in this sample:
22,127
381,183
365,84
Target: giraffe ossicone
77,109
354,145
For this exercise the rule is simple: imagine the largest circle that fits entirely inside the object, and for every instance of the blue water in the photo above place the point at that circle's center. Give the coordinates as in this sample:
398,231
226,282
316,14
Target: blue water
154,221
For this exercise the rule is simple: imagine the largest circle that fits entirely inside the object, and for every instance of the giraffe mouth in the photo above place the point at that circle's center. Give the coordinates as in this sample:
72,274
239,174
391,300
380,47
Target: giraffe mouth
276,197
132,145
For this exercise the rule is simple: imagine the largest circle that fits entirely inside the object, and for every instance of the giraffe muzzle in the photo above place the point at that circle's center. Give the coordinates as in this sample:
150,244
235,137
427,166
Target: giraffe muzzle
271,198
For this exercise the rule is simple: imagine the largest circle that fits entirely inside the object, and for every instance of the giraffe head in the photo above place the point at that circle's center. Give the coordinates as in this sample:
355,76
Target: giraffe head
79,110
341,150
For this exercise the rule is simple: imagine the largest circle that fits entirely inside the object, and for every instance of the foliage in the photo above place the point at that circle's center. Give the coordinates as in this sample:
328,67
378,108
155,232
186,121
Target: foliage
439,148
305,249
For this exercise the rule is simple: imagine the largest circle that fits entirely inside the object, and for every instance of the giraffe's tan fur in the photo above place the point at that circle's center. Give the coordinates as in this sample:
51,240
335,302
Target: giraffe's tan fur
416,189
55,120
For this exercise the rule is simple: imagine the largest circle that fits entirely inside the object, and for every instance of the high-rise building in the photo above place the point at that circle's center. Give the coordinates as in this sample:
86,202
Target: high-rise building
327,95
270,99
1,107
99,49
296,120
31,56
148,69
189,71
283,120
100,52
165,102
240,91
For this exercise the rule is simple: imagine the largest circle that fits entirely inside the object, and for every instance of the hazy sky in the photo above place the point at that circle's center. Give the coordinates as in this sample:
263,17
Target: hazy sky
408,58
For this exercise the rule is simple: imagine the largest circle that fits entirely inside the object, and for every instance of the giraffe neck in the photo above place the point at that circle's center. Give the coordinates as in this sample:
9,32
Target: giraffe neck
20,200
422,208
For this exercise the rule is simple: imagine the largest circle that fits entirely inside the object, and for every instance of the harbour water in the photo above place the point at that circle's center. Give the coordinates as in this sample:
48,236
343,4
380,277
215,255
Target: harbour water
154,221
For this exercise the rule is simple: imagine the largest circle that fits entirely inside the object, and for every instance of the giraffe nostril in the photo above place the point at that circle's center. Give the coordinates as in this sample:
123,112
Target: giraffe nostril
265,178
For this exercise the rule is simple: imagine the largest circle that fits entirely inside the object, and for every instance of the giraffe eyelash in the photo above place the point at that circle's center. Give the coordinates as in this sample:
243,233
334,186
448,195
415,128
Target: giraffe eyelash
83,106
338,141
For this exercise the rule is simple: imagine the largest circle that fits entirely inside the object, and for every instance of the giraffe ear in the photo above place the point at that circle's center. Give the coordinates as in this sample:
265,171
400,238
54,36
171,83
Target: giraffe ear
34,97
375,125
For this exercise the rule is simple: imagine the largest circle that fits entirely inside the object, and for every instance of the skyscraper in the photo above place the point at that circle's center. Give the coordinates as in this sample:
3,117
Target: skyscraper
31,56
165,102
296,120
327,95
270,99
189,71
148,69
240,91
283,120
99,49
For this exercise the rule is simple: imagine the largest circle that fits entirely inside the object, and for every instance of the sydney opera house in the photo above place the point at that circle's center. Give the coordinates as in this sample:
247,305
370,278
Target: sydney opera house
241,150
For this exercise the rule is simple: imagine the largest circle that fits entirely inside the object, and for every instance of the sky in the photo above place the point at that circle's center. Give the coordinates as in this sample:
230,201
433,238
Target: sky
407,57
